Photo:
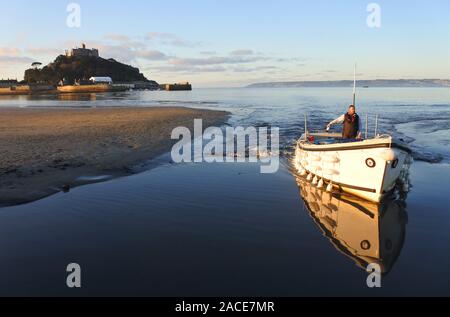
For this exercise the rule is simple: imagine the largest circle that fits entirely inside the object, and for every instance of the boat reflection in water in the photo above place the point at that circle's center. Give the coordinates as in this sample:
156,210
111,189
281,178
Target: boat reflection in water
78,97
364,231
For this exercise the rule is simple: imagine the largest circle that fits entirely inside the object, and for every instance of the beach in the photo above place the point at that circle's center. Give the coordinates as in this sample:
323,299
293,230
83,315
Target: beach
46,150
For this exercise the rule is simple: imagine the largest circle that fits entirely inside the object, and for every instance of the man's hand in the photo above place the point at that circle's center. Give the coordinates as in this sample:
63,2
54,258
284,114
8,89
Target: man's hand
328,128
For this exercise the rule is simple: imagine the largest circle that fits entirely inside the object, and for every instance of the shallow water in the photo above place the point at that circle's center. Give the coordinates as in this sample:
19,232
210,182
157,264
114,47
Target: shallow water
420,115
225,229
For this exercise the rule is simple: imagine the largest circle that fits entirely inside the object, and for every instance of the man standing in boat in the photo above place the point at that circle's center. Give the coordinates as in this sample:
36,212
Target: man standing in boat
352,124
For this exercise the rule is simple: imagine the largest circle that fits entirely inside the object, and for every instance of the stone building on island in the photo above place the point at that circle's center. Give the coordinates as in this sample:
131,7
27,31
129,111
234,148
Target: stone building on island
83,51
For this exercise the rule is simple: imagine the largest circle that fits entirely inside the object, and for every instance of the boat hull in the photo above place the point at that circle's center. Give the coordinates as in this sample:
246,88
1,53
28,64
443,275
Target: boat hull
368,169
92,88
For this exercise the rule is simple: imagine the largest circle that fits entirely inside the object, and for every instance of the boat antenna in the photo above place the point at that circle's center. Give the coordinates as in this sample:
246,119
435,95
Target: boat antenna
306,126
367,125
376,125
354,86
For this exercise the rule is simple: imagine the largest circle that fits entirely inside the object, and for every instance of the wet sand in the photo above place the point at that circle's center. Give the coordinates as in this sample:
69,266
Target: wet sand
46,150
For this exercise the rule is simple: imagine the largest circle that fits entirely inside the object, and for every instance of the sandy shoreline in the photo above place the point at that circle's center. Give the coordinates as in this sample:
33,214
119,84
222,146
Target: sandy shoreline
46,150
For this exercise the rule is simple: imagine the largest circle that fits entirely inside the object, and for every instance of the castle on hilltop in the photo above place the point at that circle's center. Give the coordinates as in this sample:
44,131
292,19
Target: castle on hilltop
83,51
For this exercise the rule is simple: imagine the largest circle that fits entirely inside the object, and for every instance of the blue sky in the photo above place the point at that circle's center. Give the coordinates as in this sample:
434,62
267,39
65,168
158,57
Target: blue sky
233,43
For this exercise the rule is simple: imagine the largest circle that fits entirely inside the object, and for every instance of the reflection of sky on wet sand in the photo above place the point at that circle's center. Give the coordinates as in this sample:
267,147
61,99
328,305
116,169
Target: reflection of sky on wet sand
212,229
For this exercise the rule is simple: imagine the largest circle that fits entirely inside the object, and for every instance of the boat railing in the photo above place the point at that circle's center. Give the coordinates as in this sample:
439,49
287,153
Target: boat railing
365,135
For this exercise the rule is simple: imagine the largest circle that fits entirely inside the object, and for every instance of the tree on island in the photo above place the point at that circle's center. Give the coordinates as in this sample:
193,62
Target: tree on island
36,65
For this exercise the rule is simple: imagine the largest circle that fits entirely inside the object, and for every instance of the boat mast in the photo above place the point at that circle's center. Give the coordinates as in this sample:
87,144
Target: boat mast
367,125
354,86
376,125
306,126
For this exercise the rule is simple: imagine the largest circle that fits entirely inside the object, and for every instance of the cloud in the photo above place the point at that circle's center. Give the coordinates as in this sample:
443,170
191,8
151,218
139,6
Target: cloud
187,69
208,53
152,55
131,50
43,51
170,39
214,60
124,40
117,37
121,53
13,56
254,69
165,55
242,52
9,51
302,60
16,59
126,53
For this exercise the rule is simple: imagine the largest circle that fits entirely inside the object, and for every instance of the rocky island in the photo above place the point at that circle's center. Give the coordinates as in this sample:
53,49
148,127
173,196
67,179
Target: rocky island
74,69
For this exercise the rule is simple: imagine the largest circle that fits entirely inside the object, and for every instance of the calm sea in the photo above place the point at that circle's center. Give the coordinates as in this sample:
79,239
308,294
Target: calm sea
226,229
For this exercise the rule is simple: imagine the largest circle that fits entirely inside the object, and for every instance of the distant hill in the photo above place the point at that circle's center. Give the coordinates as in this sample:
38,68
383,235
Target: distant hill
83,67
360,83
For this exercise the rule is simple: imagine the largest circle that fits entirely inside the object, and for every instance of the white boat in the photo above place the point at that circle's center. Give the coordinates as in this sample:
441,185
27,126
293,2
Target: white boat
367,168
